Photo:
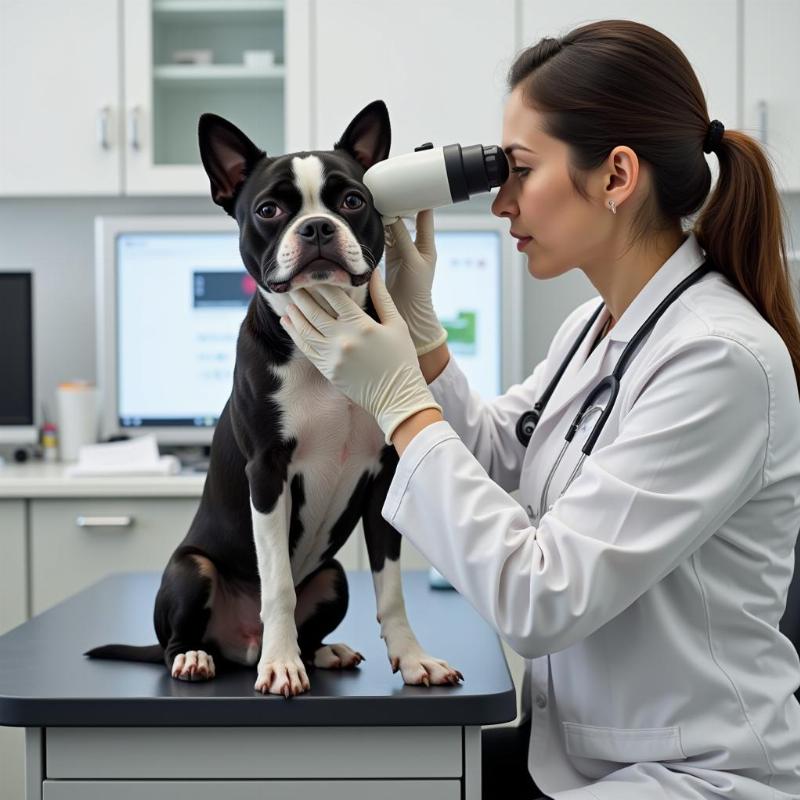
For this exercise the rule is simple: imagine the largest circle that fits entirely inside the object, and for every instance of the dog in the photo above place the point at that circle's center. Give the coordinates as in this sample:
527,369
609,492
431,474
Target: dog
294,463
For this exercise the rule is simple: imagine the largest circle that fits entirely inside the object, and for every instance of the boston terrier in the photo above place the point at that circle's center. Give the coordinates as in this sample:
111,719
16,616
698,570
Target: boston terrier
294,463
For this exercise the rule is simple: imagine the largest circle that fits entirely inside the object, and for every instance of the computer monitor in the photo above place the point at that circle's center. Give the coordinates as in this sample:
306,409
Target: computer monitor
172,293
16,358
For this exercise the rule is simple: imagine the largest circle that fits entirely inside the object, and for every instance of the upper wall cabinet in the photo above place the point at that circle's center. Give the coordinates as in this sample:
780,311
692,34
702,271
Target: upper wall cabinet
112,107
440,67
771,75
59,98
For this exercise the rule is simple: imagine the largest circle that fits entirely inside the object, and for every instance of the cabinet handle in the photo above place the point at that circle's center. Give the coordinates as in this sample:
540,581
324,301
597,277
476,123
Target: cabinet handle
762,121
103,118
124,521
133,128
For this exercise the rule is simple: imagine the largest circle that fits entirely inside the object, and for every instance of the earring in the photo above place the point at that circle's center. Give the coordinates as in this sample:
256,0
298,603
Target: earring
613,206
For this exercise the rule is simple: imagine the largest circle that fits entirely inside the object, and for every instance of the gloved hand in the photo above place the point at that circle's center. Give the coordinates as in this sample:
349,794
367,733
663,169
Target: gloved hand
373,363
409,278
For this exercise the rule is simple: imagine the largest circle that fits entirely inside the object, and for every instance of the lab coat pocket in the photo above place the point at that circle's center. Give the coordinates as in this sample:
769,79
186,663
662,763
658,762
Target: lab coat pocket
623,745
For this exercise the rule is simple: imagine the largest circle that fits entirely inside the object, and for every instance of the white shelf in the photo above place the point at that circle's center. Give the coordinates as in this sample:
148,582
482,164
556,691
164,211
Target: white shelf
216,73
216,6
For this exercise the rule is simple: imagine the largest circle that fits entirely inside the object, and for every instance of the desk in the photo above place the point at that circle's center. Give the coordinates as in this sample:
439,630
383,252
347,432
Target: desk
99,729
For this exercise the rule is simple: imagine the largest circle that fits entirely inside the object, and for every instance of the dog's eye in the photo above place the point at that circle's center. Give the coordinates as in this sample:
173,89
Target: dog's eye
268,210
353,201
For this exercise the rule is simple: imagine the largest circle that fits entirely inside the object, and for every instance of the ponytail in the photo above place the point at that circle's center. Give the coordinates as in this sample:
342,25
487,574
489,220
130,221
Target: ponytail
742,229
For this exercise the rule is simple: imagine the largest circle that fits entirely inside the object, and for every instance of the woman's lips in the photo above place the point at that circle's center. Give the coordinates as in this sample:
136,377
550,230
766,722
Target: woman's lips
523,241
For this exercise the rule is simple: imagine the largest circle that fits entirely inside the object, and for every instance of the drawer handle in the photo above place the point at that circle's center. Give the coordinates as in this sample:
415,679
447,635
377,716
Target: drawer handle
104,522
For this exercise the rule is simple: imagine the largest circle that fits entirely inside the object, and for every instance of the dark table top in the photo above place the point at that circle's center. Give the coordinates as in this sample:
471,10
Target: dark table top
45,680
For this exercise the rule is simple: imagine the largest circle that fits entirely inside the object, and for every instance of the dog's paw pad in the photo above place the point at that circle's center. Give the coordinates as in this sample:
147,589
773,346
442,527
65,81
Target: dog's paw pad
193,665
283,676
337,656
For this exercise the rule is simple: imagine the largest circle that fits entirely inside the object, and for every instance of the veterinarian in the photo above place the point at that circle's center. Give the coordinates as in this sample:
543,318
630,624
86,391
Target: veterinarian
643,583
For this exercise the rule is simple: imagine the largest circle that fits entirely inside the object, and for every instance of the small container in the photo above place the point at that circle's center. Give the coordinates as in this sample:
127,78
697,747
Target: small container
50,442
192,56
259,59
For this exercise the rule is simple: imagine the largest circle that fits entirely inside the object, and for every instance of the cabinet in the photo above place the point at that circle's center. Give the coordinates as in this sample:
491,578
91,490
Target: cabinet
59,98
771,66
103,109
77,542
439,66
13,594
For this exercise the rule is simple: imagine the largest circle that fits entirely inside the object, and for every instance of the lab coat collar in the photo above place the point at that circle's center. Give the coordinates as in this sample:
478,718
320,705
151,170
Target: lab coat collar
585,367
678,266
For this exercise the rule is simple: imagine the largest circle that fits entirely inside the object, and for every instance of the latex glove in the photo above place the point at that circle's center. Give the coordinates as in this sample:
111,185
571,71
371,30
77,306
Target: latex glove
409,278
373,363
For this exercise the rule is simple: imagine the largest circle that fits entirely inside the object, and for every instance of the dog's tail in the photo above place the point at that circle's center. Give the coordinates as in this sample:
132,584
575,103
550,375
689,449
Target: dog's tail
152,653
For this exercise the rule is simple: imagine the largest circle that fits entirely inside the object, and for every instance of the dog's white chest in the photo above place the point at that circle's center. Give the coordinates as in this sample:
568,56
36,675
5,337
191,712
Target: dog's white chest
337,441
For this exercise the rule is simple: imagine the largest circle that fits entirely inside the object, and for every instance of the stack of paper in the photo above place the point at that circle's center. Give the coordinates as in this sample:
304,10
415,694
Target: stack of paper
137,456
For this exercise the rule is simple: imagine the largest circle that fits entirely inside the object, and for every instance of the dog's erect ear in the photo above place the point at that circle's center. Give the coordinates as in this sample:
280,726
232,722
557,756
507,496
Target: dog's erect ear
227,155
369,136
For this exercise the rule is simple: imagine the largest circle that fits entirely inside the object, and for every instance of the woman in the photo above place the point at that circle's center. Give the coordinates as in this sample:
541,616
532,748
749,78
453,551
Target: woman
644,584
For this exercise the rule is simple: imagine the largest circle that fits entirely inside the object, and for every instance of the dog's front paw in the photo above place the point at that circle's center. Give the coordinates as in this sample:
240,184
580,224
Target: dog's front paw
194,665
337,656
286,676
417,667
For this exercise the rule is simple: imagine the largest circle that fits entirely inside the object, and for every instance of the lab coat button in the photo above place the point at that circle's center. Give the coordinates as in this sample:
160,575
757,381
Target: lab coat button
541,700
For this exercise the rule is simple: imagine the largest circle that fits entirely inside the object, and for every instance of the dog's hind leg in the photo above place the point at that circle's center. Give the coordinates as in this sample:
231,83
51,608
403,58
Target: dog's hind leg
182,613
322,600
383,547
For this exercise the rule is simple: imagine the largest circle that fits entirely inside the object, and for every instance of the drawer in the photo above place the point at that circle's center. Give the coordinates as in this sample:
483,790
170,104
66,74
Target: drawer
255,753
77,542
249,790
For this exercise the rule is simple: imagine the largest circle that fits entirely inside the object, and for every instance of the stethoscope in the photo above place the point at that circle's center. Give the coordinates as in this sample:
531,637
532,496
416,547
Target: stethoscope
527,421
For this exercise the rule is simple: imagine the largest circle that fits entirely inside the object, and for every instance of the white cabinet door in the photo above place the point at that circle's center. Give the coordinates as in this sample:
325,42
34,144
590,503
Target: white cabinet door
439,66
59,85
705,30
771,72
164,99
142,174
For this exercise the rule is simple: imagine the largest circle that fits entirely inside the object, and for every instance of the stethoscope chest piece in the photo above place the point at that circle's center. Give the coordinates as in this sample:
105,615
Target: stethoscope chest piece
526,424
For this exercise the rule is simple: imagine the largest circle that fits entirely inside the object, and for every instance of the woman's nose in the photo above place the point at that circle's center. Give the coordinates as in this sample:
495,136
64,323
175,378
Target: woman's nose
505,202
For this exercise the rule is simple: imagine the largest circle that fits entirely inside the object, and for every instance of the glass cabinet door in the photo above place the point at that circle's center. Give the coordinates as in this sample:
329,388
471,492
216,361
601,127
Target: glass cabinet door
186,57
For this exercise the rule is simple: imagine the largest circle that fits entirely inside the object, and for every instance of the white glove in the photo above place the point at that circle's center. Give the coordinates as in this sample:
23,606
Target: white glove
409,278
373,363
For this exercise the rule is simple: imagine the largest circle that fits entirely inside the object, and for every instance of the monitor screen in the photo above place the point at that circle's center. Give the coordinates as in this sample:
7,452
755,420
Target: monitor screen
181,298
16,354
173,296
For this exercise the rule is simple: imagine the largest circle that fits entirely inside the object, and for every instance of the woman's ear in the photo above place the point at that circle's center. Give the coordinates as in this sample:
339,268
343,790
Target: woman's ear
621,172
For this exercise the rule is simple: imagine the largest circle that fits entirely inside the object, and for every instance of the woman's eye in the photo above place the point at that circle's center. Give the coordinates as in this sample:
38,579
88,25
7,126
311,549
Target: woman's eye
521,171
353,201
268,210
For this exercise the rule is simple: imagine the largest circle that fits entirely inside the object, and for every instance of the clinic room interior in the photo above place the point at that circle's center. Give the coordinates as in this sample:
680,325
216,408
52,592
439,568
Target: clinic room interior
173,451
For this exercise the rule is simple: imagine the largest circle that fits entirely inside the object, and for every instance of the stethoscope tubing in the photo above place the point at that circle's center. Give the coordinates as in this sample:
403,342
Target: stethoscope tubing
529,419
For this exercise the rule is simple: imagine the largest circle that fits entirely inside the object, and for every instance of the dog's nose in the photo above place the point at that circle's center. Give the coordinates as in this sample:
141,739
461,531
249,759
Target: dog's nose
317,230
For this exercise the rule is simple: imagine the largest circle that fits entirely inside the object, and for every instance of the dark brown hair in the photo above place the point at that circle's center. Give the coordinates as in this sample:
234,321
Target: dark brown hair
619,82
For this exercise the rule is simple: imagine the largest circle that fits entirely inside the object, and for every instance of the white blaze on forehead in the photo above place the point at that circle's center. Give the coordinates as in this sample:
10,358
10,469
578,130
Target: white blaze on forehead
309,174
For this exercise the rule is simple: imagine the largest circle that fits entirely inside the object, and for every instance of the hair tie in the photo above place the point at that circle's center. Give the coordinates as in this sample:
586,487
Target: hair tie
713,136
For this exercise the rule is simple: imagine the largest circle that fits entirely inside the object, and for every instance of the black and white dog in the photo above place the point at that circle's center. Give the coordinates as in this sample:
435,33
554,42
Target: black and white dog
294,463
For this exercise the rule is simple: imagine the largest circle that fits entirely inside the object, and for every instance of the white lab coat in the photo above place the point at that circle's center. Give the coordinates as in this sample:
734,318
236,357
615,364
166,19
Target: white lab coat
646,600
